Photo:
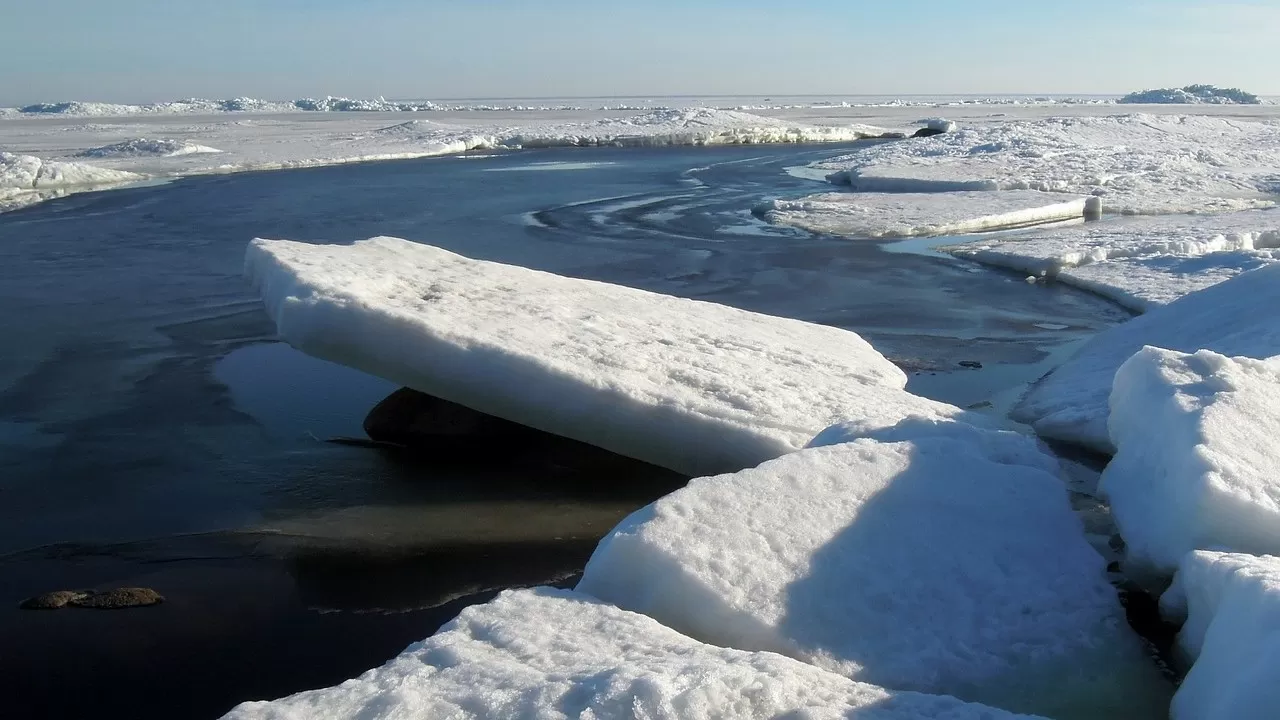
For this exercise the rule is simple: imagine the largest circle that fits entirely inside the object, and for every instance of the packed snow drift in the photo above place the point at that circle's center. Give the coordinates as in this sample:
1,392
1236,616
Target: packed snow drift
692,386
927,561
1136,164
1139,262
143,147
897,215
1231,608
547,653
1192,95
1197,465
1231,318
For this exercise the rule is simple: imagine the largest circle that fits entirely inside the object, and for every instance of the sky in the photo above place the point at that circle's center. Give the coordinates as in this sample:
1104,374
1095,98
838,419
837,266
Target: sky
154,50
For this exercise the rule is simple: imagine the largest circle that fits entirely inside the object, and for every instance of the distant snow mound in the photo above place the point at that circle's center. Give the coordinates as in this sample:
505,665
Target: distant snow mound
340,104
411,127
1192,95
144,147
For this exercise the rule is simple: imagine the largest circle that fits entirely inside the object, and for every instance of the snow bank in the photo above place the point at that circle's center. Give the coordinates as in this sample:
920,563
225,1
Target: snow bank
1137,164
1231,605
692,386
547,653
144,147
1138,262
1192,95
889,215
1231,318
933,563
1196,462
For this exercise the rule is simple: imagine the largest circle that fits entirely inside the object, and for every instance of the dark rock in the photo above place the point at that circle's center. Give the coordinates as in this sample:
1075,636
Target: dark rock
53,600
927,132
119,598
420,421
972,364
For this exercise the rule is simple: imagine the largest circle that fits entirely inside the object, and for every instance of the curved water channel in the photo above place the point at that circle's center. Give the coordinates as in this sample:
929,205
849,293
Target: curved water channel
154,433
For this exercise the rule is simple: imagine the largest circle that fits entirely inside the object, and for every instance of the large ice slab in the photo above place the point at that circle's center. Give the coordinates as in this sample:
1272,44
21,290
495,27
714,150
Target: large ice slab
692,386
1071,403
549,654
1139,262
1144,164
1196,464
1231,607
895,215
939,564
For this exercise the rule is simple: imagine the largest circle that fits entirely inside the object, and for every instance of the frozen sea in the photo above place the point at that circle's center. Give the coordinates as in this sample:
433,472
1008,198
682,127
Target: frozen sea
153,432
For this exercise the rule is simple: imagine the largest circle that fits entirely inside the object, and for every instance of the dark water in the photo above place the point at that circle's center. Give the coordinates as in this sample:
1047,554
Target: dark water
153,433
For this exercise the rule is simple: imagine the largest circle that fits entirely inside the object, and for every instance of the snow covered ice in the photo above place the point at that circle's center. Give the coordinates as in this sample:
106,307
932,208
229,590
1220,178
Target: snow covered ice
1137,164
1141,262
1196,464
896,215
693,386
917,557
1231,607
26,178
550,654
1231,318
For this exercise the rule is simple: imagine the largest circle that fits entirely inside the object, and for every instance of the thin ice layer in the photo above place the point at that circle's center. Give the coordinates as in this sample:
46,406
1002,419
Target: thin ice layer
1231,318
1196,462
1231,608
890,215
550,654
1137,164
689,385
938,563
1138,262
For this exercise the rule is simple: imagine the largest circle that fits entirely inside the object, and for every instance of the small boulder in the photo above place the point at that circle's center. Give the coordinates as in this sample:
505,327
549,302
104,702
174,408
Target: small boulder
927,132
53,600
971,364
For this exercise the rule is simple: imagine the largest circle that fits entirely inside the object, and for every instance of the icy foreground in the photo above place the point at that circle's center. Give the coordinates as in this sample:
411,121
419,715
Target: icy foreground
550,654
1139,262
1231,318
693,386
1231,605
923,559
897,215
1197,465
1137,164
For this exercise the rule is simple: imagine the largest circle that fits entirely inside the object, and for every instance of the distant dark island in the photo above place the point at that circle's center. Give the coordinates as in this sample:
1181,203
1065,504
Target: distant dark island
1192,95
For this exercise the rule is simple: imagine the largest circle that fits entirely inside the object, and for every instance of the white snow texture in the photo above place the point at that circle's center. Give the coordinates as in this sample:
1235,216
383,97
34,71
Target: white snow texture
915,558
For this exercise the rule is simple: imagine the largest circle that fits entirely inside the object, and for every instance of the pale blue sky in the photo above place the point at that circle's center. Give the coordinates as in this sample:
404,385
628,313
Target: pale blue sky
148,50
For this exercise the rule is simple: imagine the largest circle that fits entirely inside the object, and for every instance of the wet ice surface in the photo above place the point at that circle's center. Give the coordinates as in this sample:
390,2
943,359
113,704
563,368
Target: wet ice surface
153,433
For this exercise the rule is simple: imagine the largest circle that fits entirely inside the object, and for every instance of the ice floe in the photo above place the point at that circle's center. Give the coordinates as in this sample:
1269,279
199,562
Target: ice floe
1230,604
1232,318
547,653
926,561
1137,164
1196,464
693,386
895,215
1139,262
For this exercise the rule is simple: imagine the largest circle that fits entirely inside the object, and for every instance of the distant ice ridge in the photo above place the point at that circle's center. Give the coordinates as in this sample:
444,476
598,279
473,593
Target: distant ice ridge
143,147
1192,95
930,556
1230,607
897,215
693,386
1141,263
1197,465
1232,318
1136,164
549,654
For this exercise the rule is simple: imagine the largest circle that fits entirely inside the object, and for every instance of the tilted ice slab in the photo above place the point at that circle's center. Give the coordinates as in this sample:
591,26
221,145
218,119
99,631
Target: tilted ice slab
692,386
1231,607
1197,465
1138,262
890,215
550,654
144,147
924,559
1071,403
1137,164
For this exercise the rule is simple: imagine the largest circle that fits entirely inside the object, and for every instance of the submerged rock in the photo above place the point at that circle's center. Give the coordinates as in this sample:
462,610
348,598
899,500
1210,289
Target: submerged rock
115,599
53,600
927,132
419,421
